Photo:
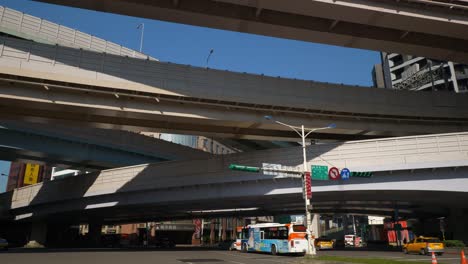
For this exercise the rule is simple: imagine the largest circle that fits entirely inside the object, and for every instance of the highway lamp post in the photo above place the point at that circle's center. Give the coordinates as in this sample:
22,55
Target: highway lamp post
142,27
301,131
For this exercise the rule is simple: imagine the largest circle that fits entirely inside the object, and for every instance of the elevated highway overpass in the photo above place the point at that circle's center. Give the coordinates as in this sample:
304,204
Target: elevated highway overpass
429,28
55,84
419,175
86,148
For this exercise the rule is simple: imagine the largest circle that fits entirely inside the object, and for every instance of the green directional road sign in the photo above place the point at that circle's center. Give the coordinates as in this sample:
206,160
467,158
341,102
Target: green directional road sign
319,172
364,174
244,168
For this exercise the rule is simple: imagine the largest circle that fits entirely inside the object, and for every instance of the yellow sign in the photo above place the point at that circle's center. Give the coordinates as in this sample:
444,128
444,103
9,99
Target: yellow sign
31,174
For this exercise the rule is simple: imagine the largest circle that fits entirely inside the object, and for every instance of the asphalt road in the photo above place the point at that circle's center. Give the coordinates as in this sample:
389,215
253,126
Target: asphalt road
127,256
450,256
188,255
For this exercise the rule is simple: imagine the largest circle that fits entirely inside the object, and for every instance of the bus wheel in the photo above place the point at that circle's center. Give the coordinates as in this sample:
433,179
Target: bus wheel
244,248
273,250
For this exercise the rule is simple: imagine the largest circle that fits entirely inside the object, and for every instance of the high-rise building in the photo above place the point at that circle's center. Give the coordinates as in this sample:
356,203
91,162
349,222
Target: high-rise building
22,174
406,72
378,78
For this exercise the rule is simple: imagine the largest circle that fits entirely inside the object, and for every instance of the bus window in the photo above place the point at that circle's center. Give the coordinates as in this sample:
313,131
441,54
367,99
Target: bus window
299,228
245,233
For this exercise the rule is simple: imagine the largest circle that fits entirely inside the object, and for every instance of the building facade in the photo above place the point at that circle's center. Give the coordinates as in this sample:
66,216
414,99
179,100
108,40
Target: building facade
23,174
406,72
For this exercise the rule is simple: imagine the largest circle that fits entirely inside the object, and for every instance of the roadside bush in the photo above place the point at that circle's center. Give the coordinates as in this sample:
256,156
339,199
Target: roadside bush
454,243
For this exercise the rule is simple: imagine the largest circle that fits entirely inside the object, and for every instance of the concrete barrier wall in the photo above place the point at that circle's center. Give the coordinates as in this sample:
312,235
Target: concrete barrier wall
425,152
64,64
22,25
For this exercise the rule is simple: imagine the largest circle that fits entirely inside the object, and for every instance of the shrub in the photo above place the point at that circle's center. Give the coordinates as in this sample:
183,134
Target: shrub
454,243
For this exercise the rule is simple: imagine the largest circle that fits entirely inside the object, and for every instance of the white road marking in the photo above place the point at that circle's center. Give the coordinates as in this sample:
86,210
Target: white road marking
236,262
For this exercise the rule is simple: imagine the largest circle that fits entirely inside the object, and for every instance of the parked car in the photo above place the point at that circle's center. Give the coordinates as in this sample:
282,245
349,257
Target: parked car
227,244
233,246
352,241
323,243
424,246
164,242
3,244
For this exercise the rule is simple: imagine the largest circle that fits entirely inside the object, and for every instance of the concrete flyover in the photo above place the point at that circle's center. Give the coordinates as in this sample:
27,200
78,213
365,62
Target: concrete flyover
88,148
421,175
50,83
429,28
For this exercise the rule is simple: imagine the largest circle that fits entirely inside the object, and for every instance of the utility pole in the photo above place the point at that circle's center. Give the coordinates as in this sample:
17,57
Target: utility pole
301,132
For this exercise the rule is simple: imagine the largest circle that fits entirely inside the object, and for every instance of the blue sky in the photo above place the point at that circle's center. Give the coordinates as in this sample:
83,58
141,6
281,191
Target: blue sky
5,169
232,51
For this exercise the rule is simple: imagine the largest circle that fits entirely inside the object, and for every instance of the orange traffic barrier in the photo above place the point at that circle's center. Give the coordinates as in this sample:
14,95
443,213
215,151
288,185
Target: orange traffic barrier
462,255
434,259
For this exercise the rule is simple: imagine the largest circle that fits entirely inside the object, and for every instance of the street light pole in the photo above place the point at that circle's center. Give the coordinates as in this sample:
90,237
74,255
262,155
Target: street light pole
142,27
311,245
303,135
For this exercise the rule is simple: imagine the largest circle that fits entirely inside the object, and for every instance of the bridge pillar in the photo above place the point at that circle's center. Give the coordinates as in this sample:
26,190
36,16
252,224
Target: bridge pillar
456,225
315,225
94,233
38,235
345,223
212,231
327,224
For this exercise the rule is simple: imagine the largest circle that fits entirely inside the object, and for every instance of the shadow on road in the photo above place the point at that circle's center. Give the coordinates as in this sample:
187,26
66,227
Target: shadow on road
129,249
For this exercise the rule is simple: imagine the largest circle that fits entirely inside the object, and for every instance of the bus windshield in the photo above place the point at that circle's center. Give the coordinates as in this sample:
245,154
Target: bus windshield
299,228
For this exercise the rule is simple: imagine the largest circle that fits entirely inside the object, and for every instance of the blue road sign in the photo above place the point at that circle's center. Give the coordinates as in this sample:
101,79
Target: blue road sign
345,173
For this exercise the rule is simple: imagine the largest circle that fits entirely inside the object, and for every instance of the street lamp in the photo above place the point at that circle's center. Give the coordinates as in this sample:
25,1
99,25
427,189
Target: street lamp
301,132
142,27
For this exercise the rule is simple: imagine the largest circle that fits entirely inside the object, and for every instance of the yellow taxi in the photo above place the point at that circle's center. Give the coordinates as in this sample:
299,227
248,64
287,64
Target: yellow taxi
323,243
425,246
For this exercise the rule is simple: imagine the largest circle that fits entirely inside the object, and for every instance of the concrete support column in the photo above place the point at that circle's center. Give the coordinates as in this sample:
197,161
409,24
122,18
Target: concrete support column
234,228
94,233
315,232
345,224
457,225
224,227
38,235
212,232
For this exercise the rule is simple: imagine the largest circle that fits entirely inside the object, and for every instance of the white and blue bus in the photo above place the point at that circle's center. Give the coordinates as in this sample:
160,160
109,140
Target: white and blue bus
274,238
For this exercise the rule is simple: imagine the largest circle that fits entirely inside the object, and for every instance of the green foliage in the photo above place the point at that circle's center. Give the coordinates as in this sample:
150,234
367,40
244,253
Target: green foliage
454,243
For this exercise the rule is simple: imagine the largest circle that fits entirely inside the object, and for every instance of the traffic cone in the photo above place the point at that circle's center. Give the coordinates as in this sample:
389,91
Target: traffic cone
434,259
463,259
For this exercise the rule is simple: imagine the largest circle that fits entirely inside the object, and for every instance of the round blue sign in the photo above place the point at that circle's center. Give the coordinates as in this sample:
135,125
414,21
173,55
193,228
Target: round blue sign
345,173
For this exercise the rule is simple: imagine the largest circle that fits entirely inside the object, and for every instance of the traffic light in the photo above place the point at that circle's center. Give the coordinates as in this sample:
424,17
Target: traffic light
308,185
365,174
244,168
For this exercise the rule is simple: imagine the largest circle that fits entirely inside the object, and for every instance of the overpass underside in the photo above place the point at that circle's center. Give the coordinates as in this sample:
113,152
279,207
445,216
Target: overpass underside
417,175
434,29
87,148
53,84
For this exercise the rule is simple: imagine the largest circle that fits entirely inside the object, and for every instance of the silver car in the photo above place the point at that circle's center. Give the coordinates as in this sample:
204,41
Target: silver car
3,244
